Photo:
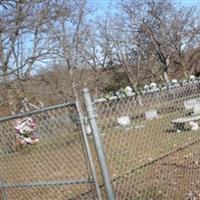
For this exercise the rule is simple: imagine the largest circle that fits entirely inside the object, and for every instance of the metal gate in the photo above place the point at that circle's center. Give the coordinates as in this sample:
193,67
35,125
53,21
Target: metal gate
60,166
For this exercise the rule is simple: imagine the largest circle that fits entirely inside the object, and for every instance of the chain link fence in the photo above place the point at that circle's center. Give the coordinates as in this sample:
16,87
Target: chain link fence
56,168
152,143
141,147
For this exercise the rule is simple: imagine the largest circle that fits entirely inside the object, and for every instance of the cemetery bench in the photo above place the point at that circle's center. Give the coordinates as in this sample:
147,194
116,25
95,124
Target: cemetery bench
179,123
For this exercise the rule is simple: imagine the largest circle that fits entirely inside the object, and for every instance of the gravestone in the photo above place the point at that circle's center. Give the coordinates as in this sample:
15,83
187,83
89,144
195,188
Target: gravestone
191,103
124,121
196,109
194,126
151,114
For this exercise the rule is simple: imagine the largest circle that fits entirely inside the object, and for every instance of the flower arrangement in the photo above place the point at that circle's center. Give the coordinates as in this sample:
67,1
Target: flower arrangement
26,131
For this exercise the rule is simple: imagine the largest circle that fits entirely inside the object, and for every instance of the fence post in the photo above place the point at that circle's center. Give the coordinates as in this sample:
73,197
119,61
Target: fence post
98,143
4,195
88,152
2,190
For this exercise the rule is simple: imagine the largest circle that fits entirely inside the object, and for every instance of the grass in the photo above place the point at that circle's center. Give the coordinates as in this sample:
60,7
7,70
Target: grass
147,163
60,157
139,159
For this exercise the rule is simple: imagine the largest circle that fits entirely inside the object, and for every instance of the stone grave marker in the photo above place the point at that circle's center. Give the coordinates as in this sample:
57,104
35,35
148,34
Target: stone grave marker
151,114
197,109
191,103
124,121
194,126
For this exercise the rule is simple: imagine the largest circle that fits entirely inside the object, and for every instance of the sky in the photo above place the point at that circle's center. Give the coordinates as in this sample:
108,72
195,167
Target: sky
191,2
104,6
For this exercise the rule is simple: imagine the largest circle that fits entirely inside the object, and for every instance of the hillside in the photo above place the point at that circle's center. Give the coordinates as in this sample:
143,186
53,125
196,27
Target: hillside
55,86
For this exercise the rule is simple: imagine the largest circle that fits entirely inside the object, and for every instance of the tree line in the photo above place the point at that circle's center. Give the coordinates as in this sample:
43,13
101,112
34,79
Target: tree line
146,38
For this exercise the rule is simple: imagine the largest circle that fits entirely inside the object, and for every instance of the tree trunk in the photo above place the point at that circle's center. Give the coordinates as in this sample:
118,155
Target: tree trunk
138,97
166,76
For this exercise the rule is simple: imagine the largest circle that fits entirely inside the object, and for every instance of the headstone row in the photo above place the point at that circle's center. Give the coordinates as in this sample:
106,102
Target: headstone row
151,88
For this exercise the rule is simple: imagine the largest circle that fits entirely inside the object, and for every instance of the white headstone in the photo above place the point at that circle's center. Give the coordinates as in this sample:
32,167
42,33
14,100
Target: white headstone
124,121
151,114
197,109
191,103
194,126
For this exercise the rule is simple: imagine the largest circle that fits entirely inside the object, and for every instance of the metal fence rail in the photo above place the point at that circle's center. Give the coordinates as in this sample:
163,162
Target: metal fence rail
54,168
150,156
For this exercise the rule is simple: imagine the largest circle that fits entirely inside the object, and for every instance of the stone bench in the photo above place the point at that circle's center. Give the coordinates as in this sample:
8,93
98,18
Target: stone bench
179,123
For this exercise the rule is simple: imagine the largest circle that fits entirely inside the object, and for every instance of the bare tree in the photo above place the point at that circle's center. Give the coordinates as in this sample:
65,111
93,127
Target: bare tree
184,38
24,37
69,33
158,31
24,43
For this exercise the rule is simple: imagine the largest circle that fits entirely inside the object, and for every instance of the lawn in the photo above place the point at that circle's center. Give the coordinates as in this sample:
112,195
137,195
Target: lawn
59,156
149,159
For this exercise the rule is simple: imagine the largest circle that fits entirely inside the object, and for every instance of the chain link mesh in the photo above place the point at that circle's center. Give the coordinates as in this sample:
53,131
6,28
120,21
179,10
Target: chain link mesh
152,143
55,168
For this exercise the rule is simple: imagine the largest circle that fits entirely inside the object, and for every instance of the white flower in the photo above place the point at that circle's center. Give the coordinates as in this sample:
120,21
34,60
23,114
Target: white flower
153,85
26,131
128,90
174,81
192,78
146,87
28,140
